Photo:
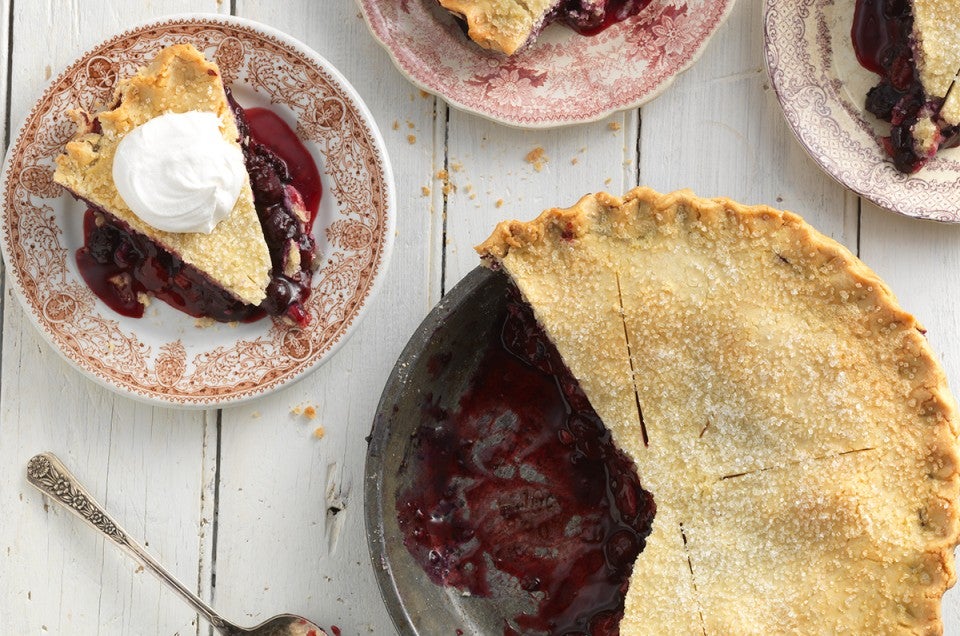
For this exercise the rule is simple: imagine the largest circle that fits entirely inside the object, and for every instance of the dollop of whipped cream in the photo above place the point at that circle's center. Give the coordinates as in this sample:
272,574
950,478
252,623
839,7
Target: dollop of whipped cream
177,172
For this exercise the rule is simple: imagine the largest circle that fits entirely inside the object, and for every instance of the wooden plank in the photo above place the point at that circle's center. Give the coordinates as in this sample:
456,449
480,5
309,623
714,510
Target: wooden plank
146,464
720,132
290,532
498,173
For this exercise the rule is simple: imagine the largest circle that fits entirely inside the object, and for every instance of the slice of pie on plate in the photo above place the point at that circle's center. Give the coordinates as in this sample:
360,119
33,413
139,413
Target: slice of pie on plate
914,45
233,271
509,25
788,417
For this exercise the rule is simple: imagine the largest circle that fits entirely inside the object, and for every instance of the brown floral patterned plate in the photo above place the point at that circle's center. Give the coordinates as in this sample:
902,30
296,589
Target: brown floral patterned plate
563,77
165,357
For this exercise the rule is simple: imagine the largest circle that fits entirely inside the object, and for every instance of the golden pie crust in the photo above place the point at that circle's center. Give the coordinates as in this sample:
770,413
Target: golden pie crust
501,25
235,254
936,34
789,418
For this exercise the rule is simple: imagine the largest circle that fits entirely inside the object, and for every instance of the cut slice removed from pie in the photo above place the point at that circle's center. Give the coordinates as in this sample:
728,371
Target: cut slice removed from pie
788,417
914,45
258,259
235,253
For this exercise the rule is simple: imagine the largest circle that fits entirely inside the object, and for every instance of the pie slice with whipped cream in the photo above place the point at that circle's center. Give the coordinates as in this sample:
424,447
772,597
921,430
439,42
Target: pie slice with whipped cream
225,268
788,417
914,45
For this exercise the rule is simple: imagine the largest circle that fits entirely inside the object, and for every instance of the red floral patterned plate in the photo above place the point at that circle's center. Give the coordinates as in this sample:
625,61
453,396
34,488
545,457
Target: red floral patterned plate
563,77
822,89
165,357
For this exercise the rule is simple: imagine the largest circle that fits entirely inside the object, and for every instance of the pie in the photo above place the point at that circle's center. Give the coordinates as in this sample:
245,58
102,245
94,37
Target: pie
787,416
258,259
509,25
914,45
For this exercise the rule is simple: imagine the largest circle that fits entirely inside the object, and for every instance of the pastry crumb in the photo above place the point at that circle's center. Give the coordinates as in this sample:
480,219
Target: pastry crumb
319,432
255,415
411,139
537,158
206,321
424,94
308,411
499,203
425,191
410,125
143,299
614,125
607,181
457,166
396,125
573,161
448,186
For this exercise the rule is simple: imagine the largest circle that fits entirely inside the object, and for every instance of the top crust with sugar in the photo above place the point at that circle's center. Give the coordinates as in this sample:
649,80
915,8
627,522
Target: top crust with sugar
789,418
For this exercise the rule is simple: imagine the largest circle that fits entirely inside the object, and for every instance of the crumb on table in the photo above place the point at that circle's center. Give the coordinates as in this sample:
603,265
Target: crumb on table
319,432
537,158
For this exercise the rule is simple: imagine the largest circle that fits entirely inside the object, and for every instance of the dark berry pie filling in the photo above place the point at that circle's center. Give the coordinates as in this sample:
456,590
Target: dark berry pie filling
121,266
521,491
590,17
882,38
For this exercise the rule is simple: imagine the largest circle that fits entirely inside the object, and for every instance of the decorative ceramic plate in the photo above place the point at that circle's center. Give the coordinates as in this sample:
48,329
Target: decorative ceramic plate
563,77
165,357
822,89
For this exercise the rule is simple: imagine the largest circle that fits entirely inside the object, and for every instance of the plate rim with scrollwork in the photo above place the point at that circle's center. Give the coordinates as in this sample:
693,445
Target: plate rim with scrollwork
562,78
167,358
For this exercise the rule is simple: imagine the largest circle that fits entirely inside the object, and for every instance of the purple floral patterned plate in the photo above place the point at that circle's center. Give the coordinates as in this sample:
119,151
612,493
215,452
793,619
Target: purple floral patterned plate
563,77
822,88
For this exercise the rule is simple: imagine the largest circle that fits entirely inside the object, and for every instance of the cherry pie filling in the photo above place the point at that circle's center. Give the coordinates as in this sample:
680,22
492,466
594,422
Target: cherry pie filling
521,488
881,36
121,265
591,17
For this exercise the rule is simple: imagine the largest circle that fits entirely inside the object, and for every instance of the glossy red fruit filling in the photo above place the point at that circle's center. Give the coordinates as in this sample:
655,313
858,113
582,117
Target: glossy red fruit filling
590,17
121,265
881,36
520,495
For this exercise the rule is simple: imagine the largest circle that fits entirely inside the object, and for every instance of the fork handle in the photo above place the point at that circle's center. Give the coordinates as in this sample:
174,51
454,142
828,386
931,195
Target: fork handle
51,477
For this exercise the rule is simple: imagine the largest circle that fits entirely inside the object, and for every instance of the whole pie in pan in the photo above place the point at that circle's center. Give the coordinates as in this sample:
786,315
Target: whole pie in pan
788,417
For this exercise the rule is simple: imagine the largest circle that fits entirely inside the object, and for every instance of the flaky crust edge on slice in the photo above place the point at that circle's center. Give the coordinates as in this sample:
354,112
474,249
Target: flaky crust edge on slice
929,384
487,31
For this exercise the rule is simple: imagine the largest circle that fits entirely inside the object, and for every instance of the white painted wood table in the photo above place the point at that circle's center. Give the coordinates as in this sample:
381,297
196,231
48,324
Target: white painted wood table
244,504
